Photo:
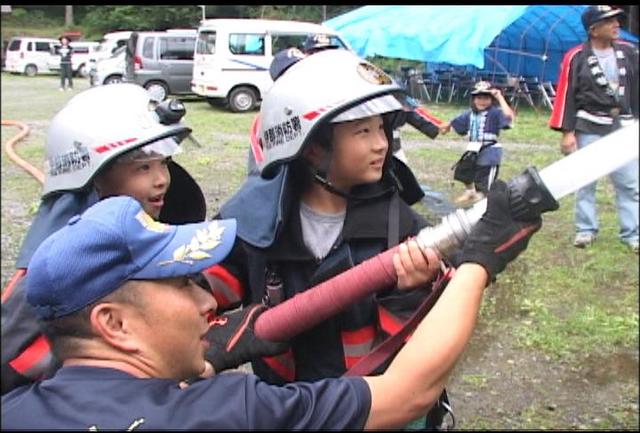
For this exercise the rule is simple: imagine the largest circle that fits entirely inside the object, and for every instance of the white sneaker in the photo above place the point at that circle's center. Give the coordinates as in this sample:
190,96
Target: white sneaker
584,239
477,196
466,196
633,245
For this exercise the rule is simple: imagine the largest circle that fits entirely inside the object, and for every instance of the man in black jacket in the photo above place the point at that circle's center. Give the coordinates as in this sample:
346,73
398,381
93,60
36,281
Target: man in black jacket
598,93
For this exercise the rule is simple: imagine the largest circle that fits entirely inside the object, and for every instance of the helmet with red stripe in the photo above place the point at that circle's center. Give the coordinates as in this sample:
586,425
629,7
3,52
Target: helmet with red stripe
329,86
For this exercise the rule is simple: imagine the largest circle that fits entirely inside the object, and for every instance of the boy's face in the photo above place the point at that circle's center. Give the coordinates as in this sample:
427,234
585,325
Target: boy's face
482,101
145,180
359,150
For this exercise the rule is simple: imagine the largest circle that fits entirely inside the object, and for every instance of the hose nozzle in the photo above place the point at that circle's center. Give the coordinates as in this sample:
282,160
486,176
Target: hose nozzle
529,197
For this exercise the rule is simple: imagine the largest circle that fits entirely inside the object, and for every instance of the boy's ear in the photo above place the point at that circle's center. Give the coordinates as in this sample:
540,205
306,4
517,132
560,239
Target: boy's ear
313,153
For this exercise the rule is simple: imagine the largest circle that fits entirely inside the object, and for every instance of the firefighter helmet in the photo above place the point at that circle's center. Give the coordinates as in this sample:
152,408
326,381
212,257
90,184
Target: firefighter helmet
329,86
102,123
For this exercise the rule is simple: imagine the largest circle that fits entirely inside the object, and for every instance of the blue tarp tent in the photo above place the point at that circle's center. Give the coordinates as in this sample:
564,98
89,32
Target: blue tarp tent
520,40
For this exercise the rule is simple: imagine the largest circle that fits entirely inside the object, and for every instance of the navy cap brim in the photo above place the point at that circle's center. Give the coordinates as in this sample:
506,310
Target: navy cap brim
193,248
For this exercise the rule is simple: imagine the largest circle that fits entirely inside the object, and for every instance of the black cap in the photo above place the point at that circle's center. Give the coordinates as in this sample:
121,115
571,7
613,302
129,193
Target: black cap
593,14
481,88
283,60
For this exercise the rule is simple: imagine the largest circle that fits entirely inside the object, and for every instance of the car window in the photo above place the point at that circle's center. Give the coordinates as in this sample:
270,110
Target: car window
29,46
246,43
43,46
206,43
282,41
119,50
147,48
177,48
14,45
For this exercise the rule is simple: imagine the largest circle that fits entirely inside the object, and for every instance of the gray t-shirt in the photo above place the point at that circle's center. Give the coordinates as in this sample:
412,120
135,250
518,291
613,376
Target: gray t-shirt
609,65
320,230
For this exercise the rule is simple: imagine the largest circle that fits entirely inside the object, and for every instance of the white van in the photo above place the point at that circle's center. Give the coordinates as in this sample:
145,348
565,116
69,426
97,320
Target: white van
82,51
233,56
111,70
29,56
108,45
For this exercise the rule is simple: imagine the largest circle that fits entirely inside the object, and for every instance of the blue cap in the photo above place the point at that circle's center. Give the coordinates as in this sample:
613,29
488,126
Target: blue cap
113,241
283,60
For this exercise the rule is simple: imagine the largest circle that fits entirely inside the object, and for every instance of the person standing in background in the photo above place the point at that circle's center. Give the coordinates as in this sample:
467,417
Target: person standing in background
66,71
597,94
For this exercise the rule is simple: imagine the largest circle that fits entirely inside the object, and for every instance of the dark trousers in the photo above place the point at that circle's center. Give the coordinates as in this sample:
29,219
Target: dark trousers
484,177
66,73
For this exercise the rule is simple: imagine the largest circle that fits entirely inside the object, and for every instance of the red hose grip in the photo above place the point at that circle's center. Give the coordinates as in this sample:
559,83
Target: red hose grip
326,299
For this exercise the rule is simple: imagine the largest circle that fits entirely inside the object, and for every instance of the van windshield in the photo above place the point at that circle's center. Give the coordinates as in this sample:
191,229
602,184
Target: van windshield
206,43
14,45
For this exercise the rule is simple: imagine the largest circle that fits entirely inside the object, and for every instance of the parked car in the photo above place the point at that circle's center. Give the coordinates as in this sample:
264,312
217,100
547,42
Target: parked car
29,56
233,56
108,45
79,59
161,62
110,70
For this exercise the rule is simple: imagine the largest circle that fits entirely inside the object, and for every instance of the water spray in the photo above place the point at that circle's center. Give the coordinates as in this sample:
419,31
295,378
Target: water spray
531,193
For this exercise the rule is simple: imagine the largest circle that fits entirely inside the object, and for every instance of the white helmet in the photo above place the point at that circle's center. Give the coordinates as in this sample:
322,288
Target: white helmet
329,86
100,124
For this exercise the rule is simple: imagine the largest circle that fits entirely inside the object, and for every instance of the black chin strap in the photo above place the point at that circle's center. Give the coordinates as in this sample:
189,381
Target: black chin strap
360,197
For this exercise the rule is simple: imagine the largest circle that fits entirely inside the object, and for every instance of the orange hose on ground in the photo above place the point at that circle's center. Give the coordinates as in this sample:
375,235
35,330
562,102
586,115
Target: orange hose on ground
24,131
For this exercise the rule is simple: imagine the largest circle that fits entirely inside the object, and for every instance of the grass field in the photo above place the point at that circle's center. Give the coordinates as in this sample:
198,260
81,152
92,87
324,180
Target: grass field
557,342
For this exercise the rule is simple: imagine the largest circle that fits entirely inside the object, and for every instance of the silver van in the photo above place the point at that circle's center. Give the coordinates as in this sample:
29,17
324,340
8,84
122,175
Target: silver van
161,62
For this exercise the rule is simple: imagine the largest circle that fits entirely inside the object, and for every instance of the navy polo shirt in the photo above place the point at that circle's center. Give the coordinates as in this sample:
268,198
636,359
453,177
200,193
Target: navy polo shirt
81,398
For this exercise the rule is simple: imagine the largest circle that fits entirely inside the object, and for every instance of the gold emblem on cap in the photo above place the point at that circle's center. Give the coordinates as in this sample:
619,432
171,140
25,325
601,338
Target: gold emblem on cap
373,74
151,224
204,240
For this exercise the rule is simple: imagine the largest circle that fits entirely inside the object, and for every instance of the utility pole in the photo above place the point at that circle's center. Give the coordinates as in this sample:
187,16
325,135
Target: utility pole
68,16
324,13
633,19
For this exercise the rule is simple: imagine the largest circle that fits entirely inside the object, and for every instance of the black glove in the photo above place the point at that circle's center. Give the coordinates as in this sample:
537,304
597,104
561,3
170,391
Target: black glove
497,238
233,341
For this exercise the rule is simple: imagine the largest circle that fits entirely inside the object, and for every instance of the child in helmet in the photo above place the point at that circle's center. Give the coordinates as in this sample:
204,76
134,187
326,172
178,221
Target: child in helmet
329,196
106,141
479,164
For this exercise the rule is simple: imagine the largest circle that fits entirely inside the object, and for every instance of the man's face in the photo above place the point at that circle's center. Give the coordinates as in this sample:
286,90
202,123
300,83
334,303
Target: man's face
359,150
170,322
145,180
606,30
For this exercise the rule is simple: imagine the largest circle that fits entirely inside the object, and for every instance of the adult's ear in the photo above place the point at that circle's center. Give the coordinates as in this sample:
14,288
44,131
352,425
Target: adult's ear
112,322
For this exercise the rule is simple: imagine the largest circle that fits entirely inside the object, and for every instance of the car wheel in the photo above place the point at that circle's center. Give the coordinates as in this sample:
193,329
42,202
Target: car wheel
113,79
242,99
31,70
83,70
158,91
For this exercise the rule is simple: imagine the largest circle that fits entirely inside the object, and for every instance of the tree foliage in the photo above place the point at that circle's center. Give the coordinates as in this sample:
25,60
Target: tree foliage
102,19
96,20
